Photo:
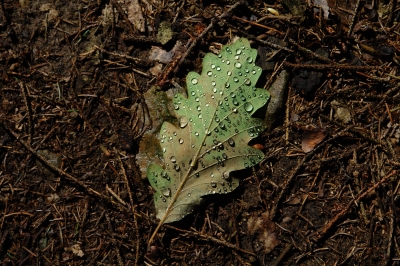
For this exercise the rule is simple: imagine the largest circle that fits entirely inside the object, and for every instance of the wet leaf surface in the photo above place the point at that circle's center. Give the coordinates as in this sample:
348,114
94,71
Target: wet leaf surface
215,126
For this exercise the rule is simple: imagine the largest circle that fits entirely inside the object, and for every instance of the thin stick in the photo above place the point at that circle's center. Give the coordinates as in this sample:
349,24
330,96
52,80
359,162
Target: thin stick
213,239
203,33
67,176
322,231
29,110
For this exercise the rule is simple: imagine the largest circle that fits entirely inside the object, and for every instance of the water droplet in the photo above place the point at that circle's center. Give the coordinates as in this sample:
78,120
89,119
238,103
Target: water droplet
228,50
213,83
231,142
218,68
194,81
175,133
176,107
237,65
229,73
166,192
196,133
176,167
228,62
249,60
235,102
213,66
248,107
209,73
173,159
183,121
199,108
223,60
247,82
189,195
225,175
197,99
222,125
235,79
193,93
180,141
214,185
200,116
234,110
197,175
224,156
227,85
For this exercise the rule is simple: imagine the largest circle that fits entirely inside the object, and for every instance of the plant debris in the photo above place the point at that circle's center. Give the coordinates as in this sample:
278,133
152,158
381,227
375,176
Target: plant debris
76,80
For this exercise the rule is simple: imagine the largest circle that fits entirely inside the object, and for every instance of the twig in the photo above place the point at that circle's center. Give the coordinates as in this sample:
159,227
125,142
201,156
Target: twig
194,43
67,176
356,10
296,170
251,37
328,66
134,59
282,255
213,239
29,110
257,24
132,208
390,237
320,233
311,53
115,195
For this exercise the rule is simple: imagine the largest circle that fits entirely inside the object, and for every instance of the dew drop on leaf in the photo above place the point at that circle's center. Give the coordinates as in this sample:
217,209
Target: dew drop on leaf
183,121
173,159
194,81
225,175
167,192
238,65
180,141
248,107
231,142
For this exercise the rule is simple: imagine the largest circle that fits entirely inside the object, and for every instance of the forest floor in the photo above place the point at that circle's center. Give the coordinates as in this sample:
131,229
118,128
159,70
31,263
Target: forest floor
73,113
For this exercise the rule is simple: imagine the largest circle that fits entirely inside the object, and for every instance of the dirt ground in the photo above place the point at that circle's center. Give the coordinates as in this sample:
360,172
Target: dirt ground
73,78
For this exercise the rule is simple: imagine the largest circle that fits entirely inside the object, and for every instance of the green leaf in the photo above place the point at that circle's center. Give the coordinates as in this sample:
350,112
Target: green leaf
215,126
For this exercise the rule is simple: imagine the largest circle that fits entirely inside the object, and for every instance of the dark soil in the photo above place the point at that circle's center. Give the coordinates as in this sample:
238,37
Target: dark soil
72,114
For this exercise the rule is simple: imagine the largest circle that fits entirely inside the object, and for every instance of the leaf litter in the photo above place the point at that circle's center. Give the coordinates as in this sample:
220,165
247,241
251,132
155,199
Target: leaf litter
215,126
